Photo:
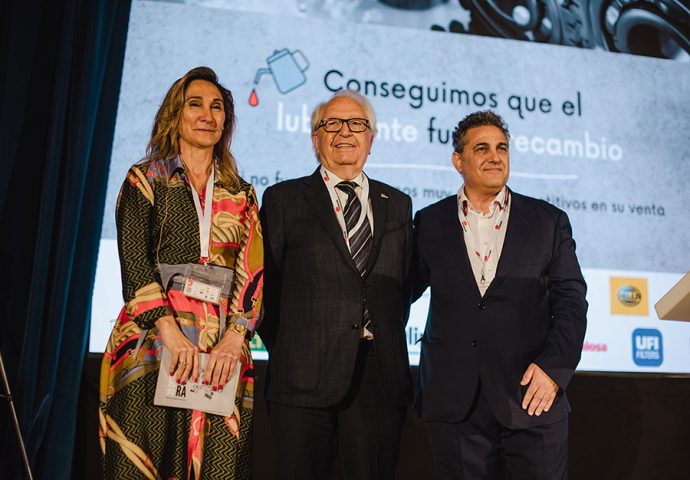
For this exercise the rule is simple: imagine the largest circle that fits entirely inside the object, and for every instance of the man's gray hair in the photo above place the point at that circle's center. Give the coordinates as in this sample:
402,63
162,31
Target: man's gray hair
361,100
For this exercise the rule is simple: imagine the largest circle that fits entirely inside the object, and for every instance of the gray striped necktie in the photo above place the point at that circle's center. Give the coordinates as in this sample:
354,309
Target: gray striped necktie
360,238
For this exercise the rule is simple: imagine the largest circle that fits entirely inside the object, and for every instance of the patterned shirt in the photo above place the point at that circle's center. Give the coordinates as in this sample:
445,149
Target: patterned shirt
157,223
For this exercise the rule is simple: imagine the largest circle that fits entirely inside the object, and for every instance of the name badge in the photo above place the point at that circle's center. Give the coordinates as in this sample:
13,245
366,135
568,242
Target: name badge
201,291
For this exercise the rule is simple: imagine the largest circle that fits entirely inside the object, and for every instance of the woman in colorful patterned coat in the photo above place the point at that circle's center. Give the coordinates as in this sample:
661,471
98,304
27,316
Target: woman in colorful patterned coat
160,220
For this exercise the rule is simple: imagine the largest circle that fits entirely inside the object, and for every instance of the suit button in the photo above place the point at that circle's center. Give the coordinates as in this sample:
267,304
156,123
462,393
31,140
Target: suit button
355,326
481,306
474,343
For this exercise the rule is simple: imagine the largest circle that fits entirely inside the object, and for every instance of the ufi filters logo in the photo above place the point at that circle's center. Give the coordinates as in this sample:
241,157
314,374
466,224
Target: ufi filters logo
648,347
629,296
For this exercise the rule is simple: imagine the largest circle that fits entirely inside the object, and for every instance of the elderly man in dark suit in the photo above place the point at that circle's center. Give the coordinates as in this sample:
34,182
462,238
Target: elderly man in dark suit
338,247
506,319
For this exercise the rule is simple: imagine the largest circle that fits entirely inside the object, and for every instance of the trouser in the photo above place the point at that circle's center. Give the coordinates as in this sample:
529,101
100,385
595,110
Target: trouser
479,447
364,428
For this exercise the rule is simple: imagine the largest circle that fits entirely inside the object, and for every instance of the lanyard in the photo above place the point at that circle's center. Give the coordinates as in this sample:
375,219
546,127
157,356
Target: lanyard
205,215
473,238
339,208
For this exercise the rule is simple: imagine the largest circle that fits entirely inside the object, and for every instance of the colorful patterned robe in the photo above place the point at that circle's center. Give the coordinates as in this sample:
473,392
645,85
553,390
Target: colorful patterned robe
157,223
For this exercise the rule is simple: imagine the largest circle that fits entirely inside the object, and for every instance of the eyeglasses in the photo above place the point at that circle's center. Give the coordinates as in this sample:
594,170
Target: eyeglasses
356,125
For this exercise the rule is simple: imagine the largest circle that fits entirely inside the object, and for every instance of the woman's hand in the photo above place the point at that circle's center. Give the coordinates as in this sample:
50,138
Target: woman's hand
184,359
223,359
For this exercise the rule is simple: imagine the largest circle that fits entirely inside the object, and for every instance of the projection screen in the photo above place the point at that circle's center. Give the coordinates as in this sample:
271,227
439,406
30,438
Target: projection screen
600,134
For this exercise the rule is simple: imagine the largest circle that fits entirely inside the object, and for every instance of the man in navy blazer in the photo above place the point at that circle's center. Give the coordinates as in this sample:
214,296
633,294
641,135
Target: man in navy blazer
506,319
338,249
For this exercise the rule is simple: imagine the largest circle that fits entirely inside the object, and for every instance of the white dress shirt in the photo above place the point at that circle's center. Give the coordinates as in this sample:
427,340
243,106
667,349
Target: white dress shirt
482,237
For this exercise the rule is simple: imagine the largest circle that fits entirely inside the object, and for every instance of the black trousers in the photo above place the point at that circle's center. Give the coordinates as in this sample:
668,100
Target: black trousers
481,448
364,427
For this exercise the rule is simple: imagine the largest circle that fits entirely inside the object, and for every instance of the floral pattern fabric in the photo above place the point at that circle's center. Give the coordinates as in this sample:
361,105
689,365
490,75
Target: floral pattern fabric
157,223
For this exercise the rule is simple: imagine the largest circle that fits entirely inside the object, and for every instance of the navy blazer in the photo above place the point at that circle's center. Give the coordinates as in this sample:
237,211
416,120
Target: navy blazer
314,296
533,311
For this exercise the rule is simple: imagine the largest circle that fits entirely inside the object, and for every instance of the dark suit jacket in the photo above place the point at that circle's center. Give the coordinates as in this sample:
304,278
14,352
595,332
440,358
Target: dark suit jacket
533,311
314,296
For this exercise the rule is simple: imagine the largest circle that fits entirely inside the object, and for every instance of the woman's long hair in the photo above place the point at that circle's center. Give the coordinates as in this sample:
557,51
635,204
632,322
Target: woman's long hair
165,134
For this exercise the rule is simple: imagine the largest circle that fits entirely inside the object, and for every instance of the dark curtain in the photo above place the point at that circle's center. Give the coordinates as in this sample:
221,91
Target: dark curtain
61,68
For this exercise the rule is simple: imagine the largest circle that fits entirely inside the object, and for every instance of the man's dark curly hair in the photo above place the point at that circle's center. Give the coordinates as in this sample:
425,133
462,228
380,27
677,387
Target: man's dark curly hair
477,119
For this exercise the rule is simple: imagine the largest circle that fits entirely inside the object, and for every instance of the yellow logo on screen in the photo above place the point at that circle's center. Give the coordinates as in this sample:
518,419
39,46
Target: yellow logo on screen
629,296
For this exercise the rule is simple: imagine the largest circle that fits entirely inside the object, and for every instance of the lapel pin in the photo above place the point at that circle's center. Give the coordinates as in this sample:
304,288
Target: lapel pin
384,195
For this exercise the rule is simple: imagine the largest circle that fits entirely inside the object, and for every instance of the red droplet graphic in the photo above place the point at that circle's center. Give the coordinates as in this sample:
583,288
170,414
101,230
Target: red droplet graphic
253,98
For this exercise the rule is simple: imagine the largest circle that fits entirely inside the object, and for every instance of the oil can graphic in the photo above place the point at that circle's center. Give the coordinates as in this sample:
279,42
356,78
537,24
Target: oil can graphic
287,69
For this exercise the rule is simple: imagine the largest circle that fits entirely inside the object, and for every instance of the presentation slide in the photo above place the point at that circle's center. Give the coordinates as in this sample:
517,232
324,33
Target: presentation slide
601,135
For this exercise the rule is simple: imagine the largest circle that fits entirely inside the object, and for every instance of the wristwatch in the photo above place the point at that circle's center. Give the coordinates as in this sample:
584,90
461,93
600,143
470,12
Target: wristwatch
239,326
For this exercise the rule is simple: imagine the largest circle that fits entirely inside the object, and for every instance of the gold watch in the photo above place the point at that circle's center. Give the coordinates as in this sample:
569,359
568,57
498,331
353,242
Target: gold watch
238,327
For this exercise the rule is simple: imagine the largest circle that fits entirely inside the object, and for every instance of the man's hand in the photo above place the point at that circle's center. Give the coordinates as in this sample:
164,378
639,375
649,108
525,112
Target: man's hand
541,392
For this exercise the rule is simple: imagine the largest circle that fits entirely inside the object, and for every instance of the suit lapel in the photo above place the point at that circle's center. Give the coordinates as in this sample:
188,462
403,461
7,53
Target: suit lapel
379,205
519,228
317,196
455,242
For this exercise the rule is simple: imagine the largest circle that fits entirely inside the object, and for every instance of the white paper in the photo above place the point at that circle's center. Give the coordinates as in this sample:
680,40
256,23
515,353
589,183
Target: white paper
195,395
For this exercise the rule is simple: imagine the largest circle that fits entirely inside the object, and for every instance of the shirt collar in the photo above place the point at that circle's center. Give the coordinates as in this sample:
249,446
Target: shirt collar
500,201
359,179
175,164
